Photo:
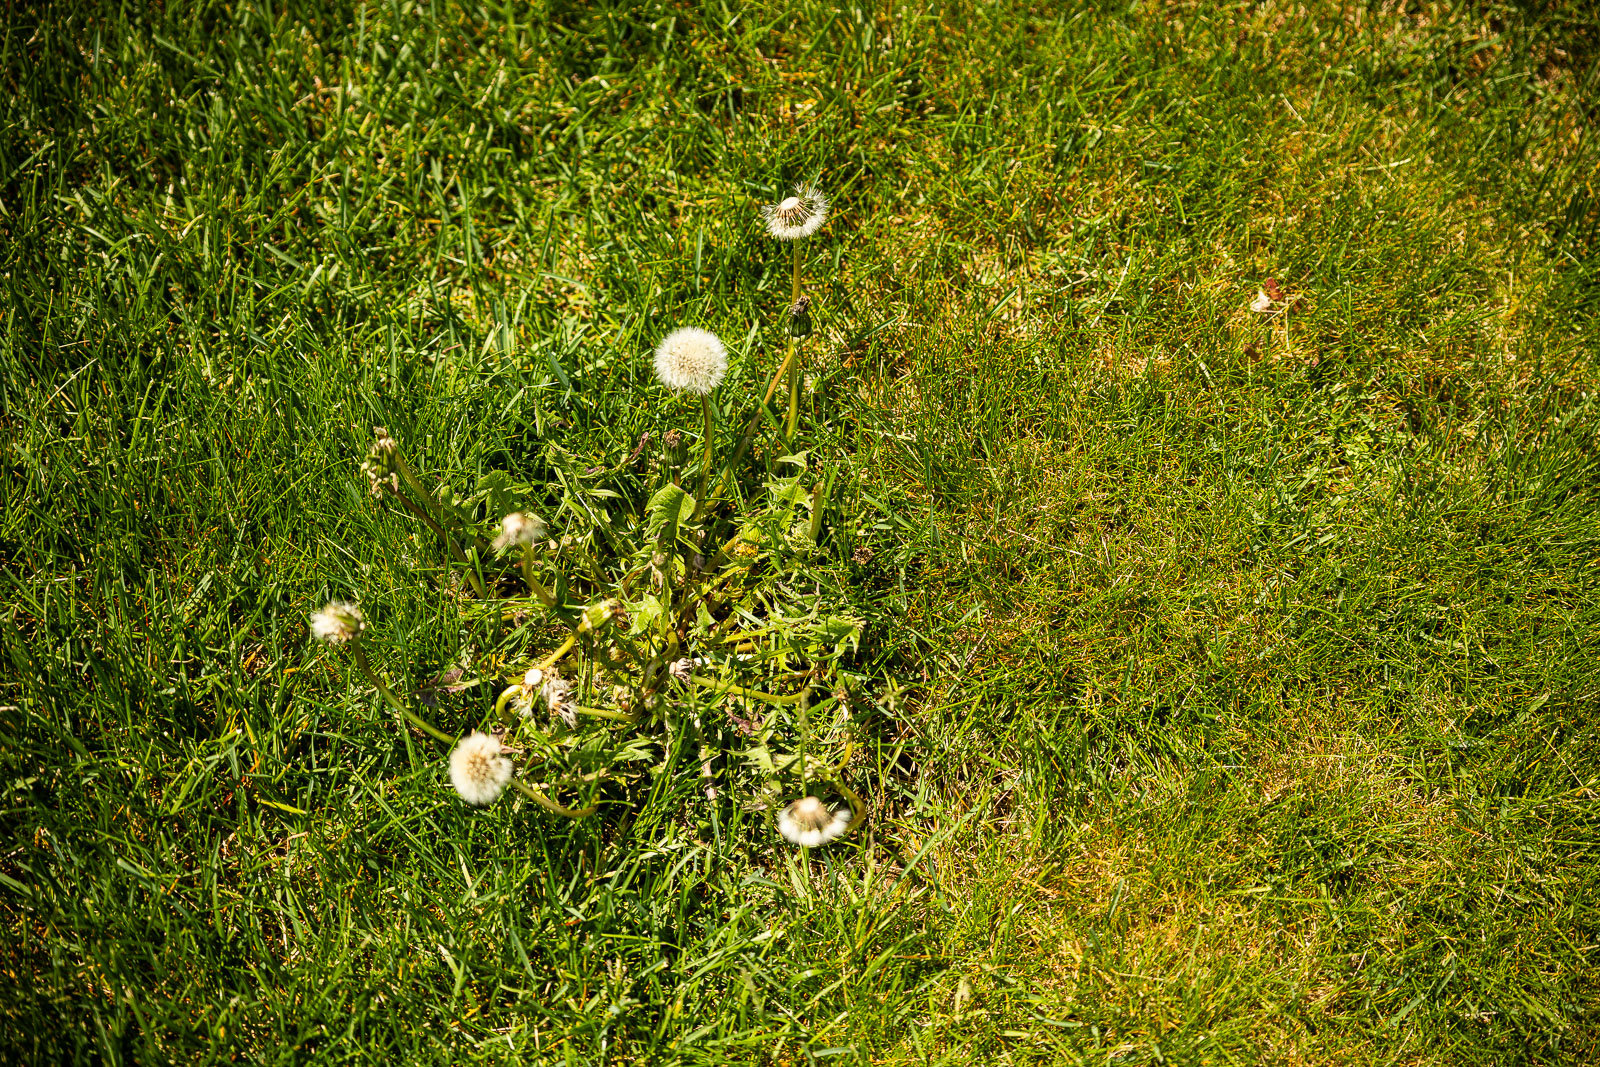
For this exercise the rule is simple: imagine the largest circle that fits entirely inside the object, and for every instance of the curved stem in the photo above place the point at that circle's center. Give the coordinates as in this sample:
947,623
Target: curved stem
546,597
500,704
554,657
549,805
360,656
449,542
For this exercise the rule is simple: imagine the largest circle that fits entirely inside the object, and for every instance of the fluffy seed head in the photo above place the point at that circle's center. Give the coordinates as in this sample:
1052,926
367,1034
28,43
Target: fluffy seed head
337,623
557,692
520,528
800,215
810,822
478,770
691,360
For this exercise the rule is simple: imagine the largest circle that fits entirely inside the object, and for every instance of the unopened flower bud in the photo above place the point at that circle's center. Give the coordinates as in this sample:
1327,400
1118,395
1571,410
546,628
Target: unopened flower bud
800,317
597,615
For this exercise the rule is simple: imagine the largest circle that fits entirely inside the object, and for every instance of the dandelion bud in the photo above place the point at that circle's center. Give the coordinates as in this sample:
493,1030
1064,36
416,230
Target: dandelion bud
598,614
337,623
810,822
691,360
801,215
478,770
800,317
382,466
519,528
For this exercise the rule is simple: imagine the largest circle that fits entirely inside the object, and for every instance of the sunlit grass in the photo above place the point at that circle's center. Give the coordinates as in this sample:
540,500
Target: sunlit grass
1246,661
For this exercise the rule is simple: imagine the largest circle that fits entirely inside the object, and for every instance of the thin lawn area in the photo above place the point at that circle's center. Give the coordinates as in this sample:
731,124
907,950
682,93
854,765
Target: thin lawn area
1209,393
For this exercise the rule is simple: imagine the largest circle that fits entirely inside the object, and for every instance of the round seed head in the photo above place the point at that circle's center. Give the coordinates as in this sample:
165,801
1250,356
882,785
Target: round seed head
520,528
478,770
337,623
810,822
691,360
800,215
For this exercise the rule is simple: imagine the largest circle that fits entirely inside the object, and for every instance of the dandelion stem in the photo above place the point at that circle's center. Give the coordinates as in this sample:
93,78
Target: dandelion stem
805,734
546,597
416,484
449,542
549,805
554,657
793,359
754,694
602,713
500,704
784,371
705,469
406,713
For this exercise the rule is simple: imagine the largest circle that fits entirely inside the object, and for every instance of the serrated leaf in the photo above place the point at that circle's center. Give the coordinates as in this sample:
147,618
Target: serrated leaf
669,504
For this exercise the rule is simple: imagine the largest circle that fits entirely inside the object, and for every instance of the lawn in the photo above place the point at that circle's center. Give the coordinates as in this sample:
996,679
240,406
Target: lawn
1207,396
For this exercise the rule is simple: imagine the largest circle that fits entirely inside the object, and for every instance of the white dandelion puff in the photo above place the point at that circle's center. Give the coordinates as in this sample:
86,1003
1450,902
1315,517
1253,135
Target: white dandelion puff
519,528
800,215
478,770
692,360
810,822
556,690
337,623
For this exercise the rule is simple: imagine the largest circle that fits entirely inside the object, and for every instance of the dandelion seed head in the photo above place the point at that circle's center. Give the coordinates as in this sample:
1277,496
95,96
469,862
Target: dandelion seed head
691,360
520,528
797,216
556,692
810,822
478,770
337,623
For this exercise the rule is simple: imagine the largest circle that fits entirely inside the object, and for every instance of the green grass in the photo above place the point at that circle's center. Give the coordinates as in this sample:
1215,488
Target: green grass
1249,665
